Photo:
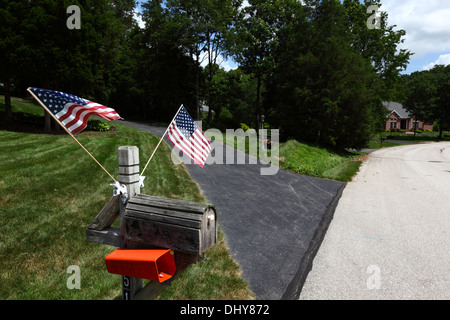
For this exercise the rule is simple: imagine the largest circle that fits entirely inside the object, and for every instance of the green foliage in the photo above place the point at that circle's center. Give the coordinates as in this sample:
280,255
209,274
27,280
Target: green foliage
154,75
97,125
328,94
233,90
318,162
244,127
428,97
379,46
255,42
313,68
225,114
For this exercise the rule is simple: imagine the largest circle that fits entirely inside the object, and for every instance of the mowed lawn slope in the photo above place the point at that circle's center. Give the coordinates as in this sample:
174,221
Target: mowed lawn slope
50,191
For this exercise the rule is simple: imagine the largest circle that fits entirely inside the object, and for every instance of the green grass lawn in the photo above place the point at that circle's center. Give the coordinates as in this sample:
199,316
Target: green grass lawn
386,144
310,160
50,191
396,139
319,162
420,137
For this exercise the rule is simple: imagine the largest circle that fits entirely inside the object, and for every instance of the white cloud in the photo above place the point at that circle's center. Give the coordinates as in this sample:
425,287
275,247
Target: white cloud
443,59
137,16
426,23
227,65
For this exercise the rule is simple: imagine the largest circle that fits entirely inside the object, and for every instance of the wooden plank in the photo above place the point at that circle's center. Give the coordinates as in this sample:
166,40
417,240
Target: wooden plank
172,204
107,215
165,211
163,217
142,232
109,236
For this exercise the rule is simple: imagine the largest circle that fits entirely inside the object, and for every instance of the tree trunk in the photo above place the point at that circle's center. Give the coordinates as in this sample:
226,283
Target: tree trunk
48,122
8,108
258,102
56,125
197,87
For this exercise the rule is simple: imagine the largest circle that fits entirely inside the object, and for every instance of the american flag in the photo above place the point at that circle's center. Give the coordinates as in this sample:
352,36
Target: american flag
186,136
71,111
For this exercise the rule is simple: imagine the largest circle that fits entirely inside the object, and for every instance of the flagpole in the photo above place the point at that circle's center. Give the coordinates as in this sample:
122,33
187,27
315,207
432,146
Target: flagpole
70,133
160,141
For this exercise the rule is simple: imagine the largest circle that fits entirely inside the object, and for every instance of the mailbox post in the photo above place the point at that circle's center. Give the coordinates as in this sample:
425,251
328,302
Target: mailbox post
186,228
128,176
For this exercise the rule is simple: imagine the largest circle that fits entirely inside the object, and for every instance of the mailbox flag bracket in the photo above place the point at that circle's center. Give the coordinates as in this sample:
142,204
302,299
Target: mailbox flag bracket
152,264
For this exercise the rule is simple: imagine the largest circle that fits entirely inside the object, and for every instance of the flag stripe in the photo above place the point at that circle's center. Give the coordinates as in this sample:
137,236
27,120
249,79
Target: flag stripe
181,143
200,149
200,138
73,112
75,116
174,137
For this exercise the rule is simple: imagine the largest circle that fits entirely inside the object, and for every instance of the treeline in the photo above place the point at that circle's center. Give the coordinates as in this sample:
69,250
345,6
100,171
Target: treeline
427,96
313,68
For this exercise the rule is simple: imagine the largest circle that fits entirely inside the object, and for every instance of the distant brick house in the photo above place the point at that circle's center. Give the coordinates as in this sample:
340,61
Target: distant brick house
400,119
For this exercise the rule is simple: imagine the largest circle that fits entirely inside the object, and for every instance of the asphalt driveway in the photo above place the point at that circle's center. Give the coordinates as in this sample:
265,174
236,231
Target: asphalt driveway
273,224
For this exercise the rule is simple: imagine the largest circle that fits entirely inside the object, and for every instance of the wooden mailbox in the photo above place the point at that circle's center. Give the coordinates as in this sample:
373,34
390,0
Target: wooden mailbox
186,228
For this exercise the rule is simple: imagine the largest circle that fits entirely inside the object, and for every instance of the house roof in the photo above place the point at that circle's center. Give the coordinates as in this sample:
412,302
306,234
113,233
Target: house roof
397,108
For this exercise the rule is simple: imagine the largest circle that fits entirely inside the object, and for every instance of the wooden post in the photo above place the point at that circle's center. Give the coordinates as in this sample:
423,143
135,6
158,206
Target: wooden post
128,176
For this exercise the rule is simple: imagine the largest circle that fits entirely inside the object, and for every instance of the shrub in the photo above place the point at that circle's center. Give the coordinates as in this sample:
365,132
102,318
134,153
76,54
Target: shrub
97,125
244,127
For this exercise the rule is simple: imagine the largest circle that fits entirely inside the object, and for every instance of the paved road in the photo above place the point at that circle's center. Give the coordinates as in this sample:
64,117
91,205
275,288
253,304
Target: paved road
389,238
273,224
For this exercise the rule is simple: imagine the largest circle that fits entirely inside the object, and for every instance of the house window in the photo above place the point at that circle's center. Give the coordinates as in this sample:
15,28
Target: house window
415,124
393,123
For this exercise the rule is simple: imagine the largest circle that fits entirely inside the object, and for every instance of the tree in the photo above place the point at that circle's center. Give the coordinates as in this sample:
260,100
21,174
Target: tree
256,39
206,26
378,45
324,91
161,70
442,110
42,51
233,96
421,94
12,45
428,97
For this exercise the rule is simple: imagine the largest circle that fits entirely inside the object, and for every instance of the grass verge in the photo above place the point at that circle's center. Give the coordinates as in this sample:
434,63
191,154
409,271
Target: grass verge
386,144
311,160
50,192
319,162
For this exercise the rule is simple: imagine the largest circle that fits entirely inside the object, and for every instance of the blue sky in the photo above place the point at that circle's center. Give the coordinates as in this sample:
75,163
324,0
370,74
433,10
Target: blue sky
427,24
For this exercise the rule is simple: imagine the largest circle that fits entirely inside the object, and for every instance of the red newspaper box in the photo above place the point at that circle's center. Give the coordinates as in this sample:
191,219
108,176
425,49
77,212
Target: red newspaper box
152,264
